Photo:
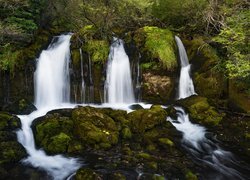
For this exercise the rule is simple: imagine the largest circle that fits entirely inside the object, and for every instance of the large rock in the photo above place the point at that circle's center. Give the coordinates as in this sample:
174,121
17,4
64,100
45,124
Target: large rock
11,151
114,143
200,111
208,81
157,88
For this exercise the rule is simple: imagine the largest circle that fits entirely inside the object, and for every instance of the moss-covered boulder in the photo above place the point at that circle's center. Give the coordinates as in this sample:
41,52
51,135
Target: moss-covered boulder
239,96
158,44
11,151
208,81
200,111
53,133
22,106
113,142
94,127
9,122
87,174
143,120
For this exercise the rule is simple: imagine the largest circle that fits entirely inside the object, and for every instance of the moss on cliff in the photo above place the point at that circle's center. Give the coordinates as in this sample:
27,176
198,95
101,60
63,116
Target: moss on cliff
158,44
97,49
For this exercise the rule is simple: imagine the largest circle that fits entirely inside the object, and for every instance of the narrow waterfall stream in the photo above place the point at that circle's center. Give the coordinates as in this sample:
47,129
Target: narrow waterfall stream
51,91
118,85
186,87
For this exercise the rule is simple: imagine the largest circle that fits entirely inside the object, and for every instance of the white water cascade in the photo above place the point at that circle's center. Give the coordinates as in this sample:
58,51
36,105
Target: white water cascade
118,85
186,86
51,92
206,150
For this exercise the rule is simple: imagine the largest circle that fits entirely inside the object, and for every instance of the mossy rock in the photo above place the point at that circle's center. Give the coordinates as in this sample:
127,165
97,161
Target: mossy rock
21,106
53,133
11,151
9,122
126,133
158,44
145,119
59,143
166,142
200,111
239,99
210,84
117,176
7,136
94,127
208,81
86,174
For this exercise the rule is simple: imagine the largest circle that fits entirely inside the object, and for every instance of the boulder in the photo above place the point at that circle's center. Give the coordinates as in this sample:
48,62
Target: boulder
200,111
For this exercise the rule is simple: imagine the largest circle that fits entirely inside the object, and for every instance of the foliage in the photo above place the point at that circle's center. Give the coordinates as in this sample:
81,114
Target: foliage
180,14
234,38
98,49
8,58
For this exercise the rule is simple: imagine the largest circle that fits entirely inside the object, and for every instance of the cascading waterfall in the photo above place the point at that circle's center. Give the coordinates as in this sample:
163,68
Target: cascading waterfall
186,86
52,89
83,88
52,85
204,150
118,85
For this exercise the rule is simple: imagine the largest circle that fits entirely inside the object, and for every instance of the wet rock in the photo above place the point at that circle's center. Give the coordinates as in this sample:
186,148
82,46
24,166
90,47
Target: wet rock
112,141
87,174
200,111
135,107
11,151
9,122
157,88
21,107
142,120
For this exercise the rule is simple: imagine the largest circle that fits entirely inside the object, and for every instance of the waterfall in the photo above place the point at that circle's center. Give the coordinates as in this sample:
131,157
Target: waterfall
52,74
118,85
51,91
82,89
205,150
186,87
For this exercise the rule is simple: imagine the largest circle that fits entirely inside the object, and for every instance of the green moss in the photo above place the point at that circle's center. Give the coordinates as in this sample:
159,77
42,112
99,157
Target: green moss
93,127
75,57
118,176
59,143
11,151
98,50
158,177
190,176
144,155
166,141
143,119
9,122
238,97
201,112
86,174
87,32
158,44
126,133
